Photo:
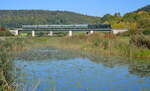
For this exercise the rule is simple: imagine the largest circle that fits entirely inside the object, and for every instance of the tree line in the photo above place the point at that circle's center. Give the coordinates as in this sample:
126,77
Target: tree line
16,18
139,19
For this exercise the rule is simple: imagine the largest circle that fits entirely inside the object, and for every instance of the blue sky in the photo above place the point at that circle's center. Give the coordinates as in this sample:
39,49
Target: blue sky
88,7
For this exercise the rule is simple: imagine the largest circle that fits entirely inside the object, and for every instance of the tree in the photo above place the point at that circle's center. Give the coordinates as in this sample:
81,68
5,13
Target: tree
144,23
4,32
130,17
117,14
107,17
119,25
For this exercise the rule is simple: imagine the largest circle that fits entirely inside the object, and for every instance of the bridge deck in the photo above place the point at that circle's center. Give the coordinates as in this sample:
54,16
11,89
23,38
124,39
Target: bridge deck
74,30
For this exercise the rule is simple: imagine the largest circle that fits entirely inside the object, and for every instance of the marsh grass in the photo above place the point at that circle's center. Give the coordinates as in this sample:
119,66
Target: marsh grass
104,44
8,48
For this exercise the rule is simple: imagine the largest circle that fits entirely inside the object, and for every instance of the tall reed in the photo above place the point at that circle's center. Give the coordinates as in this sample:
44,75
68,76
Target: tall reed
8,49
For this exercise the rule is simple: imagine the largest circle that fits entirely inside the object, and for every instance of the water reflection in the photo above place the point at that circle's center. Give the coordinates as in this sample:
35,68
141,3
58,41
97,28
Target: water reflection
50,69
140,67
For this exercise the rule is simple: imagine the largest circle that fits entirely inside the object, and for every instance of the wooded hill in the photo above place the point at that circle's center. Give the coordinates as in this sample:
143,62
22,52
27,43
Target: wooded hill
146,8
16,18
138,19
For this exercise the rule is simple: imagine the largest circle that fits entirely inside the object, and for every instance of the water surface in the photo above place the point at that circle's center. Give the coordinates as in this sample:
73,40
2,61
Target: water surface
50,69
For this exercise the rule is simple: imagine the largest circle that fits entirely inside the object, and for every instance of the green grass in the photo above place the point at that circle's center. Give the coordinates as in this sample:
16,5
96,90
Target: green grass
124,39
142,53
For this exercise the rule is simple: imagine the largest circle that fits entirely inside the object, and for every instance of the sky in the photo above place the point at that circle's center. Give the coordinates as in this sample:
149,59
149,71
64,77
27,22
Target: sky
87,7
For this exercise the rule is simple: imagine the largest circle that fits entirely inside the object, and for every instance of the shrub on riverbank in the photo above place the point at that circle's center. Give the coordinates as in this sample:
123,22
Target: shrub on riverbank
140,41
4,32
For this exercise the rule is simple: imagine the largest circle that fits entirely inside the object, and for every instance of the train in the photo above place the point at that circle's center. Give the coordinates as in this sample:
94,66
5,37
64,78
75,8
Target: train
99,26
71,26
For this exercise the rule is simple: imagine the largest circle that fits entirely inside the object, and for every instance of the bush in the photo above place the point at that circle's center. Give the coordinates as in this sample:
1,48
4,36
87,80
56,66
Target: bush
124,34
60,34
4,32
100,39
146,32
140,41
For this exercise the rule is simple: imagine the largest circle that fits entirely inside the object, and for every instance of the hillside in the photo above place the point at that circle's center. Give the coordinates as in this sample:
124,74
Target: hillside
16,18
146,8
139,18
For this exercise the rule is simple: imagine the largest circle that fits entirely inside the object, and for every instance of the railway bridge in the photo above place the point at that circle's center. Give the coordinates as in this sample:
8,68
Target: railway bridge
64,28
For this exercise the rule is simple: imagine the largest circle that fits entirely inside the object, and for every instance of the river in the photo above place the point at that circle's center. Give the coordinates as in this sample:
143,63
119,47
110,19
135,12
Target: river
51,69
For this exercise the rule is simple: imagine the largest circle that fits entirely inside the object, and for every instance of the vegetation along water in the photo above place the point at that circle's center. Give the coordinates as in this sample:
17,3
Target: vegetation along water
92,48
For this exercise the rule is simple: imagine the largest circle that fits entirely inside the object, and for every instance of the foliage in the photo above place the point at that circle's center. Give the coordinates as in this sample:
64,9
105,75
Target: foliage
146,8
146,32
16,18
140,41
143,23
141,17
142,53
119,25
4,32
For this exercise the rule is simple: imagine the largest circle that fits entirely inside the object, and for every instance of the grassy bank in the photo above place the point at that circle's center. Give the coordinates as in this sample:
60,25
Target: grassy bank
102,44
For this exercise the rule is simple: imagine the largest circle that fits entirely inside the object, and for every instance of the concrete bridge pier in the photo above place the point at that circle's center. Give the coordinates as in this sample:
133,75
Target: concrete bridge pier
33,33
91,31
50,33
70,33
16,33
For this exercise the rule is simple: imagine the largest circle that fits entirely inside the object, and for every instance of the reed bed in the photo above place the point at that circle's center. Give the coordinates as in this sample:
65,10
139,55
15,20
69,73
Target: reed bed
8,48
